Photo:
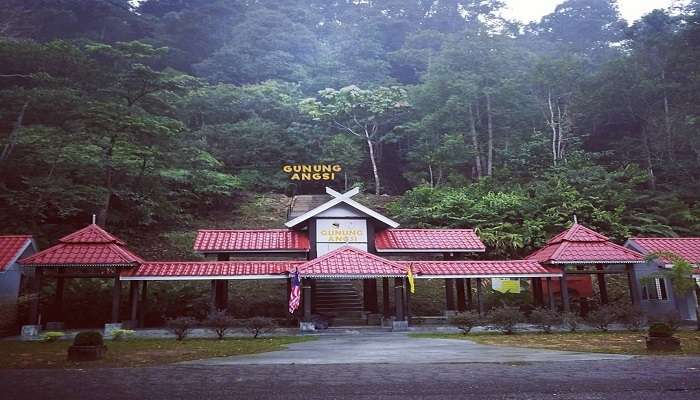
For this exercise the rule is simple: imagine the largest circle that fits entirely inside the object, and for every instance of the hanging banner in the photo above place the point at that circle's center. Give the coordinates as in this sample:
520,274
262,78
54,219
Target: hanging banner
505,285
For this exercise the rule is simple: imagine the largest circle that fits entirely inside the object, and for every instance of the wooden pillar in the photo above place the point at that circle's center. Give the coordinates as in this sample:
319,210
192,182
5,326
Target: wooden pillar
564,292
602,286
635,292
365,294
286,299
449,295
406,300
372,305
385,298
58,300
550,293
537,294
470,304
212,294
398,299
306,297
143,306
479,297
134,295
461,302
116,298
36,297
222,286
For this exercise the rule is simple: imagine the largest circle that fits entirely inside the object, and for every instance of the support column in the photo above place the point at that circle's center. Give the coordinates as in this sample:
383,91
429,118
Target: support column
222,286
550,293
306,297
212,298
143,306
36,297
406,300
635,292
461,302
134,296
602,286
398,299
470,304
372,305
479,297
449,296
385,298
116,298
58,300
564,292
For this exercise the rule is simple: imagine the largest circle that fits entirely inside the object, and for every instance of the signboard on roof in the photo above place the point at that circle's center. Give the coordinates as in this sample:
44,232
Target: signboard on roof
332,233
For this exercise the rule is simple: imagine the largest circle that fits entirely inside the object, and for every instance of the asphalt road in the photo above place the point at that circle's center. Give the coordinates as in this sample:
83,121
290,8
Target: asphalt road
638,379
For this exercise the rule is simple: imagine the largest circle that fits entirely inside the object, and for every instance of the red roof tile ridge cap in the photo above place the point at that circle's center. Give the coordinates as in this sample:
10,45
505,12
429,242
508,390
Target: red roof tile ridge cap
15,236
354,250
429,229
110,237
249,230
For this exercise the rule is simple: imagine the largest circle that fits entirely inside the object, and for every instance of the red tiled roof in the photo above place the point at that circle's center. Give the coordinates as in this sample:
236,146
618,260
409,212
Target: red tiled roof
347,262
482,268
581,245
10,246
686,248
428,239
90,246
194,269
212,241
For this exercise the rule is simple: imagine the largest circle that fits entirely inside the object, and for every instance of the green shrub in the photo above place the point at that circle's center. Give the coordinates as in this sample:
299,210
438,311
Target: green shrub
660,329
52,336
181,326
90,338
602,317
465,321
122,334
632,317
571,320
219,322
505,319
260,325
545,319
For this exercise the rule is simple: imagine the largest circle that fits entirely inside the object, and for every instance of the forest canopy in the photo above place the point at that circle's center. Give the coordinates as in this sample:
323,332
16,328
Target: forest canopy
146,113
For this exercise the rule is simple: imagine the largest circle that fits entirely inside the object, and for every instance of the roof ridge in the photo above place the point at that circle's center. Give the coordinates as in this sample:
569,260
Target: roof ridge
15,236
663,238
346,247
248,230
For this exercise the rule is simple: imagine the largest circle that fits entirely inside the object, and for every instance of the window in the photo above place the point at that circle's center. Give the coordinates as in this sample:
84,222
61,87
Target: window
655,290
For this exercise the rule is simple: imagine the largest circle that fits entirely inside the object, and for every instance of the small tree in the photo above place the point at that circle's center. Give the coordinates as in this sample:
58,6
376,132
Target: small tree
467,320
545,319
505,319
260,325
219,323
181,326
571,320
602,317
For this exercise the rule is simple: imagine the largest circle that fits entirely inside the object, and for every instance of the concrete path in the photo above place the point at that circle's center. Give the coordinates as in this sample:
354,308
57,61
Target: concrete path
393,348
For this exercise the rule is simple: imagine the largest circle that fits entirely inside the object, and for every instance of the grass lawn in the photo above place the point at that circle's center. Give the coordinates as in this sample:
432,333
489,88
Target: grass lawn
594,342
137,352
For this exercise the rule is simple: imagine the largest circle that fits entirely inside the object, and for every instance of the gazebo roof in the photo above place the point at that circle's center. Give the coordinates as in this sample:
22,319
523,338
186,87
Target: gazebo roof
482,269
195,270
12,247
349,262
581,245
91,246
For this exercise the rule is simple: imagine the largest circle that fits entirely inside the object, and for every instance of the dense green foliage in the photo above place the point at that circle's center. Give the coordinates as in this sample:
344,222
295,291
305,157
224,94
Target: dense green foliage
146,113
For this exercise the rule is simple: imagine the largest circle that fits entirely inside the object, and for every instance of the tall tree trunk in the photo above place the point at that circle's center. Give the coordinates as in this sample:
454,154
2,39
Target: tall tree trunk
430,174
489,119
14,135
109,171
553,125
650,165
375,169
475,143
667,119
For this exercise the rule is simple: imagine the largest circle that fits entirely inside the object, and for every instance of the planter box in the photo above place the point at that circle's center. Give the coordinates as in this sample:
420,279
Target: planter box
663,343
86,353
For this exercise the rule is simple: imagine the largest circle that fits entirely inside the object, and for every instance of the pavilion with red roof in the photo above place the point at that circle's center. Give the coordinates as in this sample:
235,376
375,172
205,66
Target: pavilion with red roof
583,251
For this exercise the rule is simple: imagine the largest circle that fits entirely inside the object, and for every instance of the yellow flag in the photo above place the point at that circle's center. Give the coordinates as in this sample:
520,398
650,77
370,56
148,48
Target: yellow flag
411,280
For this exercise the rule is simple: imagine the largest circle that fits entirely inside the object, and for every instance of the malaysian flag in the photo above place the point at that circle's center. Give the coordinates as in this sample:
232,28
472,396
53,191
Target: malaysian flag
295,294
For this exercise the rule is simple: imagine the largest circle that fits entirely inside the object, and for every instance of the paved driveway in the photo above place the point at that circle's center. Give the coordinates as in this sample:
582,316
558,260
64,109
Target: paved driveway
400,348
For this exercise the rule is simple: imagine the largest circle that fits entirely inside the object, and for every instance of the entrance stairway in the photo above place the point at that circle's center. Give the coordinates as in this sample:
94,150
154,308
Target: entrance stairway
340,302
